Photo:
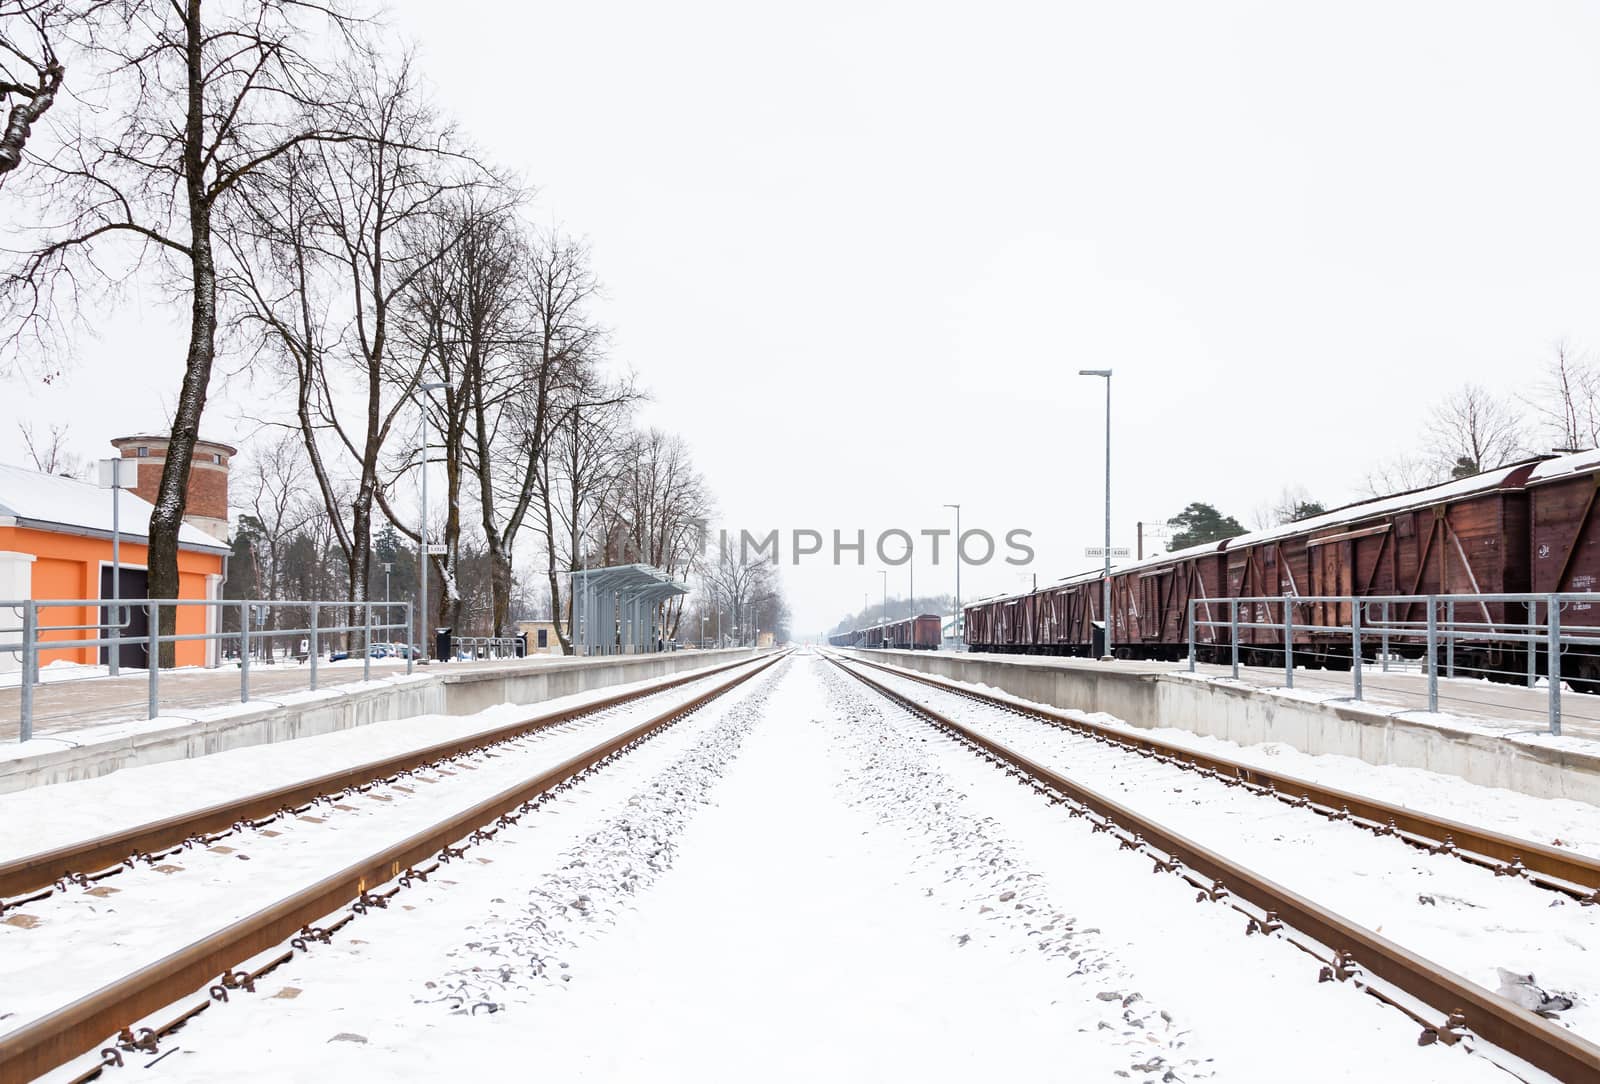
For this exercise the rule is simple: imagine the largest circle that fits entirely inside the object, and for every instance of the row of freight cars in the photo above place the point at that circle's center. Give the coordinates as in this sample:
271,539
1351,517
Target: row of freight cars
1529,527
921,633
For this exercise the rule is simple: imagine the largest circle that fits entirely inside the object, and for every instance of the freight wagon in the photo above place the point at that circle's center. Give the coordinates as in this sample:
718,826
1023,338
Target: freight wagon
1525,527
920,633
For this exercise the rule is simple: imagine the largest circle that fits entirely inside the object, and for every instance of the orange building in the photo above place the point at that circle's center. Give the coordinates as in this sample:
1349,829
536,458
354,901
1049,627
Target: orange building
55,544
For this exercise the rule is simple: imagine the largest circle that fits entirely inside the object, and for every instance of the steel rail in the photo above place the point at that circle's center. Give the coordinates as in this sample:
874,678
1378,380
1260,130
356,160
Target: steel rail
1503,853
37,872
1355,949
74,1029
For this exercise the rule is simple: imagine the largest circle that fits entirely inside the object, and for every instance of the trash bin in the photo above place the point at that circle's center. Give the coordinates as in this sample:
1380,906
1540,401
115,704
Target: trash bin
522,641
441,643
1098,650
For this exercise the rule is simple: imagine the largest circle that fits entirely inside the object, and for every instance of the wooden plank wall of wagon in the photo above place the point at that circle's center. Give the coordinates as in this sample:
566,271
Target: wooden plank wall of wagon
1564,541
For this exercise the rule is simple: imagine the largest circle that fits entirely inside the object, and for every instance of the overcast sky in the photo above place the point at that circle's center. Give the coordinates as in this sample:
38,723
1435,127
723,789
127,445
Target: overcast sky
858,252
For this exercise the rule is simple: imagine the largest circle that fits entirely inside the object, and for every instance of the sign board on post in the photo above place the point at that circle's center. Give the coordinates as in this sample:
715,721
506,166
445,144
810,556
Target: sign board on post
437,549
119,473
1100,551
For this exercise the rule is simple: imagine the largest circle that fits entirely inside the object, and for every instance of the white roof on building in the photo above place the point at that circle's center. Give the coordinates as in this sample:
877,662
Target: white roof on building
49,502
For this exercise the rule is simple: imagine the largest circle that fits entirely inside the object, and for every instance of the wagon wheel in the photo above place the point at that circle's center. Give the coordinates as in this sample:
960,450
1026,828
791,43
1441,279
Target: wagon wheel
1582,673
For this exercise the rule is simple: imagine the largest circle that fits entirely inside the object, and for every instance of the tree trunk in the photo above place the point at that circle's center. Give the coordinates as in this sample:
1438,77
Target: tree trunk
172,495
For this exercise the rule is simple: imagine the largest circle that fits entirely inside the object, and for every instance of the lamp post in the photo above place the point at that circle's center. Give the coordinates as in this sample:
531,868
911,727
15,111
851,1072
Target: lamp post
957,507
422,605
113,476
1106,597
883,626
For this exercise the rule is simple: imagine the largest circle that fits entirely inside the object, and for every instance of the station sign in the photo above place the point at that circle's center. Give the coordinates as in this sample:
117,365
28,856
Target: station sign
438,549
1100,551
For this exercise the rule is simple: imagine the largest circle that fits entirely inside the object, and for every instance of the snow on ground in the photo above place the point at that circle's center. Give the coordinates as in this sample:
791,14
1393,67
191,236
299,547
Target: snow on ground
1456,914
129,919
374,1004
42,818
1250,1006
1558,822
804,883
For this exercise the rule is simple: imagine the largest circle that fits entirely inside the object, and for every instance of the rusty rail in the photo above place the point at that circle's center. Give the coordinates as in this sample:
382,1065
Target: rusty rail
1355,950
37,872
79,1027
1566,871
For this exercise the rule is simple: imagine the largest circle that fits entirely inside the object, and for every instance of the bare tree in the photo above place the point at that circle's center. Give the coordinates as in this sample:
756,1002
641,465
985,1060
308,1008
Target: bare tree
658,509
276,504
582,464
30,71
746,587
1471,431
199,99
336,242
50,454
1567,401
1402,474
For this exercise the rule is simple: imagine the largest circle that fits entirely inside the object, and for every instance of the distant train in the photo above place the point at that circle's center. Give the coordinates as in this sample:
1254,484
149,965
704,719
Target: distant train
921,633
1529,527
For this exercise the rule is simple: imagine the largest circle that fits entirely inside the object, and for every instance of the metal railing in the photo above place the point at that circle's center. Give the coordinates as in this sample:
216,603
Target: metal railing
488,647
1383,625
32,637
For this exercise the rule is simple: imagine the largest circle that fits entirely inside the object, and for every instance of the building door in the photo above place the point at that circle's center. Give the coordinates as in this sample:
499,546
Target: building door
544,639
136,628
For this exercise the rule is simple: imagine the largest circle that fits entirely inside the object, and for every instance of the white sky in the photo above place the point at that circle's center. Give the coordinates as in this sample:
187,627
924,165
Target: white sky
858,252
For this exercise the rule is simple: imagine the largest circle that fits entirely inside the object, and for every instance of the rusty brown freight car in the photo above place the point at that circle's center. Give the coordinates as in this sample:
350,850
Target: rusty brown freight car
1564,547
1470,536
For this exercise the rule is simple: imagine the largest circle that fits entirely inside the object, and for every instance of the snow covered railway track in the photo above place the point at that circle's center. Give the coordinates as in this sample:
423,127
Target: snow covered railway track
234,956
35,877
1569,873
1450,1008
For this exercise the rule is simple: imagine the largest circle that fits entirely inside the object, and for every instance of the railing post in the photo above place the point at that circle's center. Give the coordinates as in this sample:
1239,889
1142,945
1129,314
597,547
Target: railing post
1233,634
1433,657
409,652
1533,645
1191,636
315,650
1385,646
152,707
1554,666
244,653
1355,646
1450,637
366,659
30,664
1288,643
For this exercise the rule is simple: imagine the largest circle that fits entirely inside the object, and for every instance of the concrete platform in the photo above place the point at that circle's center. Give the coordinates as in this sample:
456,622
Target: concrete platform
1494,735
204,716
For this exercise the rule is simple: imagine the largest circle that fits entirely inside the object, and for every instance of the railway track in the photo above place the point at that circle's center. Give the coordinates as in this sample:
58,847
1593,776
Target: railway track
215,965
35,877
1448,1007
1569,873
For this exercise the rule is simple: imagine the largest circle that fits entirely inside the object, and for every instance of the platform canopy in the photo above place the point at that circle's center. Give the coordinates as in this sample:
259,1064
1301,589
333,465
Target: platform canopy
616,609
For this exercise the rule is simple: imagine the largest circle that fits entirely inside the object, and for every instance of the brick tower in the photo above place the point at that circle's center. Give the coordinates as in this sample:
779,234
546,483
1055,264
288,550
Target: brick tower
207,507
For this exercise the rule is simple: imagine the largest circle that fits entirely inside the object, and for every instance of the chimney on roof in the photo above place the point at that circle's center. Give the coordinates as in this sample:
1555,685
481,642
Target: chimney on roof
207,505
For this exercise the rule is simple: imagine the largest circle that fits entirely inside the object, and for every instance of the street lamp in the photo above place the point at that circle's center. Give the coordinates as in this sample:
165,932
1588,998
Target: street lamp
957,507
422,605
116,474
1106,602
883,629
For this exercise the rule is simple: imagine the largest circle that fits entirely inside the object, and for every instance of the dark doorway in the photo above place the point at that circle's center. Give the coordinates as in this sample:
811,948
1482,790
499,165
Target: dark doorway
135,584
544,638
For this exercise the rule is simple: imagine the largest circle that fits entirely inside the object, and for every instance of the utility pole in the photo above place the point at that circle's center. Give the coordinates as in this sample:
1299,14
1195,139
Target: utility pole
422,604
1106,595
957,507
